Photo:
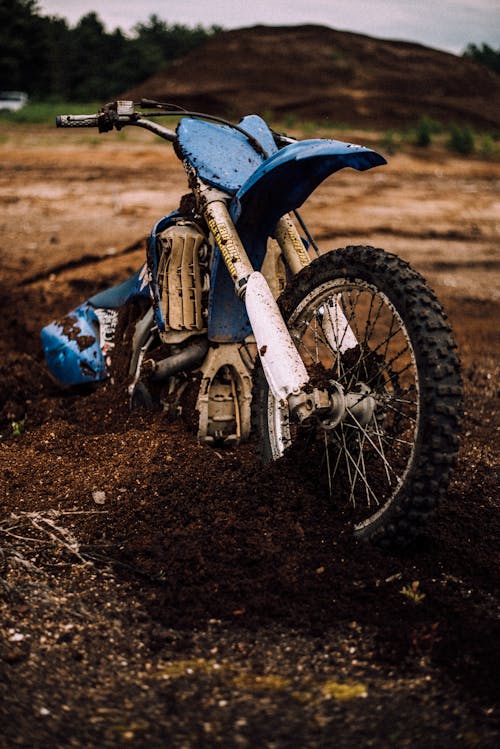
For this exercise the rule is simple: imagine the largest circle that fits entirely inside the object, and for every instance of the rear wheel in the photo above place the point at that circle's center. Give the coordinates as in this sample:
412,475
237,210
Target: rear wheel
372,334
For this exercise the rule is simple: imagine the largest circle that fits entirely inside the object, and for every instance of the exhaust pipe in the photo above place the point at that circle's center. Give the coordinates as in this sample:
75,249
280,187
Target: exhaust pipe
188,358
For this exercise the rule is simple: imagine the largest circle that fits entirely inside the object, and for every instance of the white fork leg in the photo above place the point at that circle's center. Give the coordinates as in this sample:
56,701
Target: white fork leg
336,328
283,367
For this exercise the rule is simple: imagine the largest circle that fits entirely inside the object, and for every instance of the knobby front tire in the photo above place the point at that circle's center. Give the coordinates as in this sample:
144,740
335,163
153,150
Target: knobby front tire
367,324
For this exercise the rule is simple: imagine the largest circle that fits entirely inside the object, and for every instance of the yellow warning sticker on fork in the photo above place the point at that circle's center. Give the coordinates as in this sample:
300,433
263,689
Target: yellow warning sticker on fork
225,243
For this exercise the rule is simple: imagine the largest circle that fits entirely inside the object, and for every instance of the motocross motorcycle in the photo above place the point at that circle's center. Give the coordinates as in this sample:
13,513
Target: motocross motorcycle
340,363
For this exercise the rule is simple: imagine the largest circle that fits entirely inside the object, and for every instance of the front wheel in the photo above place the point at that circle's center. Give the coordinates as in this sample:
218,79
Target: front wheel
370,331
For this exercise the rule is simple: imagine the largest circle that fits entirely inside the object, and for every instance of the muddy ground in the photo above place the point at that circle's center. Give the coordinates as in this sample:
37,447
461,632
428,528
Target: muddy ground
157,593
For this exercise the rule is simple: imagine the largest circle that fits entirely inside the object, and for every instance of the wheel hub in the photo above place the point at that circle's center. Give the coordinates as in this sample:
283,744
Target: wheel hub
328,408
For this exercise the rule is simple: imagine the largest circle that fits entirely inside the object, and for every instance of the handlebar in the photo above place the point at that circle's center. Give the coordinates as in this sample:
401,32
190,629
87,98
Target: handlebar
119,114
119,117
76,120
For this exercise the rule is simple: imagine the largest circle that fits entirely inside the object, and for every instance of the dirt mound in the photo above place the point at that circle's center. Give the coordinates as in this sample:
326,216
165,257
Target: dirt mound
315,72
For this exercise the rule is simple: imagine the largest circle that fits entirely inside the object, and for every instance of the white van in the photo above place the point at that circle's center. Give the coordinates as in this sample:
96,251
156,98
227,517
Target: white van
11,101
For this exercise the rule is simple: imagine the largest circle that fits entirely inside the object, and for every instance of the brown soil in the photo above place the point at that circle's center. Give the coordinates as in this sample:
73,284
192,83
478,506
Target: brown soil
318,73
158,593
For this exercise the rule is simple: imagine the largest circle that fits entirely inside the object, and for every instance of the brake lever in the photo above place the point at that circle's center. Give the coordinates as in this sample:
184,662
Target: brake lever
110,115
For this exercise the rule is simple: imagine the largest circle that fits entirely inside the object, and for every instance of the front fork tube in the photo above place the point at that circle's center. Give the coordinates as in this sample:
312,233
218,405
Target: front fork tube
233,253
283,367
335,325
291,244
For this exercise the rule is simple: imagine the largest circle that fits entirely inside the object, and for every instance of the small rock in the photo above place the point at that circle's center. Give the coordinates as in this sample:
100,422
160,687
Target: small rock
16,637
99,497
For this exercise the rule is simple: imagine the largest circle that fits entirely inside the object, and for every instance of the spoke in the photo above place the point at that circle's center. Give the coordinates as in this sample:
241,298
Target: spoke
388,438
353,371
339,455
347,455
305,348
389,337
372,326
372,443
316,337
386,401
366,490
387,364
377,432
386,340
327,453
355,466
387,397
353,307
362,461
351,317
400,413
368,320
363,357
353,484
398,372
319,333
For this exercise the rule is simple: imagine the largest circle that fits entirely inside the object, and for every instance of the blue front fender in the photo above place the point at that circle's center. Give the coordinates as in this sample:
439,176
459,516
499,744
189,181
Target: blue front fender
279,185
284,181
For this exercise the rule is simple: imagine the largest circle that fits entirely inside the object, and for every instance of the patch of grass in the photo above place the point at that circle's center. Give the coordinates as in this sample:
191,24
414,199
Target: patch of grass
344,691
290,121
302,128
461,140
268,115
44,113
489,147
186,667
426,128
309,128
391,142
412,592
17,428
261,683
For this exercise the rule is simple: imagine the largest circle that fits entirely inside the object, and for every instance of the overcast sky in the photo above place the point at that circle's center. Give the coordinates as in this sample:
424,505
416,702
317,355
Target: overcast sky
444,24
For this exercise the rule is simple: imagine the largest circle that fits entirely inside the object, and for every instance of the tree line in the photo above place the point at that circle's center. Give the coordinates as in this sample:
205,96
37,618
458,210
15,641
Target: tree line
47,58
485,55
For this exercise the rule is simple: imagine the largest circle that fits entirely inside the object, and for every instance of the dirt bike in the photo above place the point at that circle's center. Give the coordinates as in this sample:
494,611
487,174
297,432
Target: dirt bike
340,363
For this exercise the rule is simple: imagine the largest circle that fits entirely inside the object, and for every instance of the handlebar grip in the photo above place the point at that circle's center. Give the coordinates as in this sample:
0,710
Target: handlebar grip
76,120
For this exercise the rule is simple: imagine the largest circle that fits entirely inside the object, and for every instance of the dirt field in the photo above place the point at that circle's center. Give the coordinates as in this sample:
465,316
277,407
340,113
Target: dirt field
201,602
